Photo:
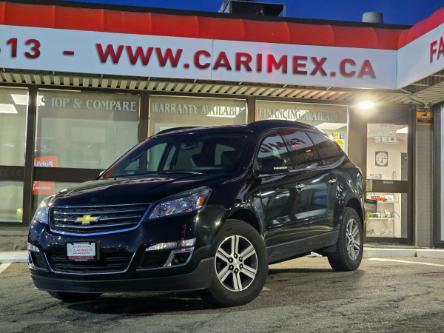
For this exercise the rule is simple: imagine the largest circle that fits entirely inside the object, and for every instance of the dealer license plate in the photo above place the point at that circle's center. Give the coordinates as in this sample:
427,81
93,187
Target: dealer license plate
84,251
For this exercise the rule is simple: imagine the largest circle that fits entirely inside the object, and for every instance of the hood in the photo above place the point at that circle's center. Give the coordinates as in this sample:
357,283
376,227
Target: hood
132,190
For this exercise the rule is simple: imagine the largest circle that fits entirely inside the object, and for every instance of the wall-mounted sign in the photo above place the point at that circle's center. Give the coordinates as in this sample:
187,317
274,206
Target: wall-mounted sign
303,112
422,57
94,102
207,107
424,116
91,52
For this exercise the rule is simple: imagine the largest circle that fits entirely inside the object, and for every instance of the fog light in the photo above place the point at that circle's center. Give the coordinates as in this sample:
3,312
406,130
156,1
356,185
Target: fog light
33,248
179,257
172,245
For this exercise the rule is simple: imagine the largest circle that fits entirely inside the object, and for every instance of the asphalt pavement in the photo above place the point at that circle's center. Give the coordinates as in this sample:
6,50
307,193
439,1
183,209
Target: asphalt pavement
302,295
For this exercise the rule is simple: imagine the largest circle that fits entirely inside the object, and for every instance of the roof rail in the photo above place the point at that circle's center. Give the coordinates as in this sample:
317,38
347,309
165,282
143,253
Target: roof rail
176,129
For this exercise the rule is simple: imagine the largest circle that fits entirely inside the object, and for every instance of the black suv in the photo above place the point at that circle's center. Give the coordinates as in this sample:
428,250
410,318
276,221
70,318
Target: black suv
203,209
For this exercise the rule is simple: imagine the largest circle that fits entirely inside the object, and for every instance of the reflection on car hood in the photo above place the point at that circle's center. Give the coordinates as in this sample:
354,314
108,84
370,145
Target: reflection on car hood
131,190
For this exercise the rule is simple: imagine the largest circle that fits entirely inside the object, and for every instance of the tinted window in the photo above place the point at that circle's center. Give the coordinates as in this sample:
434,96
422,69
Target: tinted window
272,152
182,153
300,146
326,148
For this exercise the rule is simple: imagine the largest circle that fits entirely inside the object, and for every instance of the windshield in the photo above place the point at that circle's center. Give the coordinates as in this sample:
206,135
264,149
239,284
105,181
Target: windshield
193,153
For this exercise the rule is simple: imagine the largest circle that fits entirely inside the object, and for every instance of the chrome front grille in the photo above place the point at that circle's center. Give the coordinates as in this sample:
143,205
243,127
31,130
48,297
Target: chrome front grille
93,219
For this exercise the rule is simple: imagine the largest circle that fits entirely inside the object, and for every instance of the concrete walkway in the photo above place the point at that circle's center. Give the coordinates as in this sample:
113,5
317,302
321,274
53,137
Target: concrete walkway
369,252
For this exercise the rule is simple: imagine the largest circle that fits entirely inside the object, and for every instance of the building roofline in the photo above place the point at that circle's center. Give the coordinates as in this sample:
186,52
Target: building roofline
158,10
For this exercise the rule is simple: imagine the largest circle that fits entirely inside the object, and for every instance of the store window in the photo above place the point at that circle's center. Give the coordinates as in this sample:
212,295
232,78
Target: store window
386,215
167,112
84,130
331,119
11,201
13,106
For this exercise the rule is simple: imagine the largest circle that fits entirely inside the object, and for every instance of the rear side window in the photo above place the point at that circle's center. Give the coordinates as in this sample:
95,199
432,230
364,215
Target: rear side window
272,150
325,147
300,146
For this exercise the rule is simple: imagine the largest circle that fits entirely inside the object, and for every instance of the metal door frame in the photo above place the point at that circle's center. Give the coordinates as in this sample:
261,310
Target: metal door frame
397,115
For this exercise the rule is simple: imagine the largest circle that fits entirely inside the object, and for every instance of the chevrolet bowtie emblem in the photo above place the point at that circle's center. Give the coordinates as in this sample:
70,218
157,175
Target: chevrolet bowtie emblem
87,219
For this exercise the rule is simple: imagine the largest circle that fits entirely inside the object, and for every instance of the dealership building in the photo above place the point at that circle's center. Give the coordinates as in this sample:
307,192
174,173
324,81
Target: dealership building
80,84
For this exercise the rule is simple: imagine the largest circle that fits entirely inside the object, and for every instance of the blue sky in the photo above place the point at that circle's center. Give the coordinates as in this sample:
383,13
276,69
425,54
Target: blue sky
395,11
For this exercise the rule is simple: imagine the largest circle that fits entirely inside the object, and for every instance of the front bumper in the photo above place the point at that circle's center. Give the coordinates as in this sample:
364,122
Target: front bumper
126,262
195,280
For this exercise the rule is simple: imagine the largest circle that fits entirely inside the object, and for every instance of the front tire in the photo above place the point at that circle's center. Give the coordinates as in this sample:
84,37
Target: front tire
349,248
240,265
73,297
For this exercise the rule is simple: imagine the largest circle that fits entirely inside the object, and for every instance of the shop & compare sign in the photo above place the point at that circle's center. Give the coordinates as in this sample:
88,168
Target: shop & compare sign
108,53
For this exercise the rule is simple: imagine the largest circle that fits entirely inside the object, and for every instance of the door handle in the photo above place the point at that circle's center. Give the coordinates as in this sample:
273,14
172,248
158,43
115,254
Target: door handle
332,180
299,187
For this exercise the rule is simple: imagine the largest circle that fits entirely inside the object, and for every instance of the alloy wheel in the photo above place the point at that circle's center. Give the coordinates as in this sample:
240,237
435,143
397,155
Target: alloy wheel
353,238
236,263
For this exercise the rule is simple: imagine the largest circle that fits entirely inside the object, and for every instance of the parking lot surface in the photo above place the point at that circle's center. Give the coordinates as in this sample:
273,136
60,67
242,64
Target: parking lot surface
302,295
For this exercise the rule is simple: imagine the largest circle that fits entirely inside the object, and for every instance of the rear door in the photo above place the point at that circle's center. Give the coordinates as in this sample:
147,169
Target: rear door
330,159
311,204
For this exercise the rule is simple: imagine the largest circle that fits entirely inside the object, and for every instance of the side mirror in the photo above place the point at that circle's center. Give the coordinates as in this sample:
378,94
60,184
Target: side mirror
271,164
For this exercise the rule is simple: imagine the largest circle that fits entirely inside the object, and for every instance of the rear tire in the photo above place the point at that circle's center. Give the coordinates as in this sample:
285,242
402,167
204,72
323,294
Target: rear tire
240,265
73,297
349,248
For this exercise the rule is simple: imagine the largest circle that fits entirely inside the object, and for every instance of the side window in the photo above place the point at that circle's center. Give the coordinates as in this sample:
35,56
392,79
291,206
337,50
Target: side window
219,150
301,148
272,152
186,156
154,157
141,161
327,149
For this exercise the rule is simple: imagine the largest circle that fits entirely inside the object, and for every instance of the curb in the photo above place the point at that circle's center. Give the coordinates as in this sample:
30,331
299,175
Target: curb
14,257
430,253
375,252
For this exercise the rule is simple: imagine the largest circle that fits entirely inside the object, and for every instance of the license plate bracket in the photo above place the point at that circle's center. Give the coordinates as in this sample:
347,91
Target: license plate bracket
82,251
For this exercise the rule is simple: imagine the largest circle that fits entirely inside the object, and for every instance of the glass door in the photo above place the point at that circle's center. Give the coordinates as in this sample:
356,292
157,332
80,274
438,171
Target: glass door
388,169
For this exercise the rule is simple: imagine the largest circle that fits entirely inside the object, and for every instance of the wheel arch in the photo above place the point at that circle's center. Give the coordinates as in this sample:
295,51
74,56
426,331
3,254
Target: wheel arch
247,216
355,204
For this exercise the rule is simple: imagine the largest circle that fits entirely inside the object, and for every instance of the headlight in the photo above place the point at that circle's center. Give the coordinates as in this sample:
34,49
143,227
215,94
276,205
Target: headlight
41,214
186,202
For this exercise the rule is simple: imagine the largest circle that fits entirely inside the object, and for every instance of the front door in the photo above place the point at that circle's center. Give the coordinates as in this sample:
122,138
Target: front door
275,191
313,208
388,169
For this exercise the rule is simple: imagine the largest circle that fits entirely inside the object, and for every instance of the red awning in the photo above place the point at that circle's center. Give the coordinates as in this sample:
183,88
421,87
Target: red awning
226,28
